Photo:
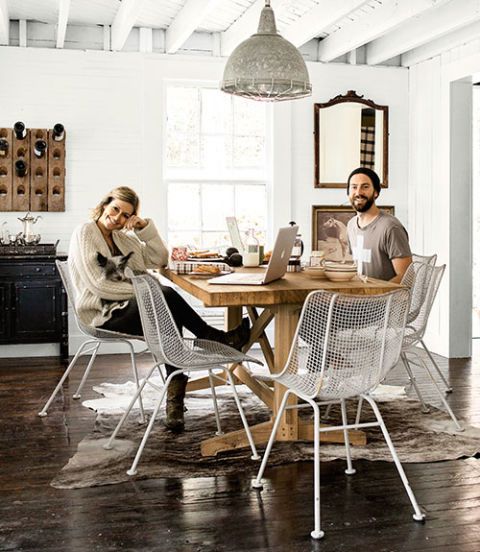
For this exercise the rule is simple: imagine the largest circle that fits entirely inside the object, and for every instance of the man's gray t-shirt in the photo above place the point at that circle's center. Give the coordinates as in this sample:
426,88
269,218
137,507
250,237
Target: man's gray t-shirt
384,239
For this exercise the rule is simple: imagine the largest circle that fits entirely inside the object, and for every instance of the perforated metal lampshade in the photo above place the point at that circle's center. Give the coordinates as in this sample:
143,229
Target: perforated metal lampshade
266,67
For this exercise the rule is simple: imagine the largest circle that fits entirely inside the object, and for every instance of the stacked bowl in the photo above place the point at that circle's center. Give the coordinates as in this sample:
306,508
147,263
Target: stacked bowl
340,272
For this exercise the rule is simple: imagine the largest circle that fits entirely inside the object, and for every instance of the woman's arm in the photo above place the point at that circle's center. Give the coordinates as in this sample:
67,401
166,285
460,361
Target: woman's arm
154,250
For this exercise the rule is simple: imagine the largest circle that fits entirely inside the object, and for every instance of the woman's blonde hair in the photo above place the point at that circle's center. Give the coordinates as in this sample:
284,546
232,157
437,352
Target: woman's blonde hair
123,193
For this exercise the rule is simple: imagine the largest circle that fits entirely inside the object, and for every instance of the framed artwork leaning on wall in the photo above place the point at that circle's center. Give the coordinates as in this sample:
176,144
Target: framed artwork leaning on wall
329,229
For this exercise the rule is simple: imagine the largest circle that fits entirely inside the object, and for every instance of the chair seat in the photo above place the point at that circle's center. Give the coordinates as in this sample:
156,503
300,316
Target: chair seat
197,353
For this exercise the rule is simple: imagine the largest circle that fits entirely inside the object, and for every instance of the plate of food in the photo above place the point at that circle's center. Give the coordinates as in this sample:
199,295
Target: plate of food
208,270
204,255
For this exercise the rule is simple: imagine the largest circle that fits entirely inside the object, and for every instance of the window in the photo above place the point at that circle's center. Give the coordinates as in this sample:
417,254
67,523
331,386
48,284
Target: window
215,165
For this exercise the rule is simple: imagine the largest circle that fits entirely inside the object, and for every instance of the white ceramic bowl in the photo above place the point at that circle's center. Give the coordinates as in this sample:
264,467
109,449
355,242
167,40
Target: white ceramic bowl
338,276
343,267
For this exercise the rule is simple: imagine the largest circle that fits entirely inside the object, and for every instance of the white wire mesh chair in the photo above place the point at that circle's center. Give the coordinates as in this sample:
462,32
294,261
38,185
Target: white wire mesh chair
343,348
431,260
186,355
425,259
426,289
96,337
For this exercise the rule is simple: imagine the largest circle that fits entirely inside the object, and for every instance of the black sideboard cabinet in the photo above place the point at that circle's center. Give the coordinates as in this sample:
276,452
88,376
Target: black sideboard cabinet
33,302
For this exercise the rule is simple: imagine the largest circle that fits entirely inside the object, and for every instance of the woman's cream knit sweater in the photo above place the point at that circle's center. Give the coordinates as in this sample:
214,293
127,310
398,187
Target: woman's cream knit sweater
149,251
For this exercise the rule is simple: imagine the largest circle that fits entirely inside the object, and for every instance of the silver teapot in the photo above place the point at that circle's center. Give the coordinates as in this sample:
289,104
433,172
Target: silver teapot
28,236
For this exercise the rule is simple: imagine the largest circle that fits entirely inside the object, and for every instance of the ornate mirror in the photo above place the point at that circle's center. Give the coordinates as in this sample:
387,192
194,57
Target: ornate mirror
350,132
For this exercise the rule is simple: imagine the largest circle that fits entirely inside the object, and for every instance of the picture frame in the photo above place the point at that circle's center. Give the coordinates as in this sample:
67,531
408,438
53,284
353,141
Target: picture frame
329,229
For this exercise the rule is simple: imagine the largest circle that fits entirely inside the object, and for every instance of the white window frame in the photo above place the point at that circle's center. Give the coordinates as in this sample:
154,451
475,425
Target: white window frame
227,181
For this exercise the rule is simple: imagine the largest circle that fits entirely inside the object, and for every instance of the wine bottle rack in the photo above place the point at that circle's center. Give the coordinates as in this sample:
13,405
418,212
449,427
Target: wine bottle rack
42,187
6,171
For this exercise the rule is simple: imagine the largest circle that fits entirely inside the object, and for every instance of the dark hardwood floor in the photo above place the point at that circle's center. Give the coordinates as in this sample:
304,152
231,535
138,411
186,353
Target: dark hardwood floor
369,510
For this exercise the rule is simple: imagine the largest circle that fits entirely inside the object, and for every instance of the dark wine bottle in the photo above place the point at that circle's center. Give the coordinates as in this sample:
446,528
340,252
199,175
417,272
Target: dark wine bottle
20,130
3,147
58,132
40,148
20,168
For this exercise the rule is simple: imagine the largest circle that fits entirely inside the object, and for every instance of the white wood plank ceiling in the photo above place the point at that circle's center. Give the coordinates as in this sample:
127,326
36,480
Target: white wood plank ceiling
369,31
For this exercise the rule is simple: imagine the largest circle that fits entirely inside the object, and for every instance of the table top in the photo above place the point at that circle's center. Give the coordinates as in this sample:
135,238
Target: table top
293,288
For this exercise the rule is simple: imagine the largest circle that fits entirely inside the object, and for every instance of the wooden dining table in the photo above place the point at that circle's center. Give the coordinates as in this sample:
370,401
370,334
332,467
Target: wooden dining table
280,301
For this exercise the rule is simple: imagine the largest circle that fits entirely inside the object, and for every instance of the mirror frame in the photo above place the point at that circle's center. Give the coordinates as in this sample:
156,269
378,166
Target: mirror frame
350,96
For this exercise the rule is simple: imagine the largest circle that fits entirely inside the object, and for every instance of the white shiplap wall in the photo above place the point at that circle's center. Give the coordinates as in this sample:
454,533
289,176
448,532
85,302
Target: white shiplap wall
112,107
440,186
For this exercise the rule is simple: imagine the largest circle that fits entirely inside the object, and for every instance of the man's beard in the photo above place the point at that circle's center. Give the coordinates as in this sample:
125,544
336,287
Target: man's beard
366,206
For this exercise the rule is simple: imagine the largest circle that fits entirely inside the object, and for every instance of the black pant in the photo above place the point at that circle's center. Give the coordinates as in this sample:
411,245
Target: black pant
127,320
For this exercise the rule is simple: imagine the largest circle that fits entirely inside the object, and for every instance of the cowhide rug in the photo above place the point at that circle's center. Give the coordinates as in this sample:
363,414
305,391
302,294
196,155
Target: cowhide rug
418,438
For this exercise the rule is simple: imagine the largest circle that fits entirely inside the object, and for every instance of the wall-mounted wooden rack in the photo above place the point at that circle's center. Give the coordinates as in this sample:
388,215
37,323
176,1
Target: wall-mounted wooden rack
32,170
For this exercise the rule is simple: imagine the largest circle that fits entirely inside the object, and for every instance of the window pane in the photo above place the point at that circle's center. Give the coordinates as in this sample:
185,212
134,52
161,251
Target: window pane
217,203
183,127
191,238
249,117
215,111
216,240
248,151
251,203
184,206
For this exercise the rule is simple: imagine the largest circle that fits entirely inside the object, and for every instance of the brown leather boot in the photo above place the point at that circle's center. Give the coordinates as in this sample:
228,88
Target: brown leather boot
175,396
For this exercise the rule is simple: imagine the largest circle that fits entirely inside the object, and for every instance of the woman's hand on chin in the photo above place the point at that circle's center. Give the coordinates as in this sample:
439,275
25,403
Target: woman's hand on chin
135,222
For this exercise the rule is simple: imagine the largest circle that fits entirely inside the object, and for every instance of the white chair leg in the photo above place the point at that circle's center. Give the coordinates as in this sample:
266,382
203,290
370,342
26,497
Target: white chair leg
359,411
448,388
317,533
135,376
108,445
257,483
404,358
442,398
133,469
78,392
44,410
349,470
215,404
326,416
255,455
418,515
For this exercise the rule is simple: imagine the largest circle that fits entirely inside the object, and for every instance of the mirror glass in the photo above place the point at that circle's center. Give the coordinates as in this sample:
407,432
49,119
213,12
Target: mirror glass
350,132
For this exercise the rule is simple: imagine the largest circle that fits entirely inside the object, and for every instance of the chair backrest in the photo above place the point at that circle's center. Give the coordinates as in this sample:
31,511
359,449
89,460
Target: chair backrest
417,326
159,329
345,344
425,259
64,271
417,279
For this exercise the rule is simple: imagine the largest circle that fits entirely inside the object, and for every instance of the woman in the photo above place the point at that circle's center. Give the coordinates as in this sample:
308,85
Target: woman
117,229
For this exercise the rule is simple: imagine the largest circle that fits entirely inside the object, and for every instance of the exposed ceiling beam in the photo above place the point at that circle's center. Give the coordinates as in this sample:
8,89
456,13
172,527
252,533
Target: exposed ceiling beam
187,20
423,29
63,9
4,23
124,21
243,27
319,18
22,33
436,47
371,26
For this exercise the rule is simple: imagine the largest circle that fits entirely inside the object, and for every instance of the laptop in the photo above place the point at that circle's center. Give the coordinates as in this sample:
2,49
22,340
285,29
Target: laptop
234,232
276,267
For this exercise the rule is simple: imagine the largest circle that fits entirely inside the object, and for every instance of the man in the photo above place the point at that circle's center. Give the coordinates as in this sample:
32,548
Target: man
377,240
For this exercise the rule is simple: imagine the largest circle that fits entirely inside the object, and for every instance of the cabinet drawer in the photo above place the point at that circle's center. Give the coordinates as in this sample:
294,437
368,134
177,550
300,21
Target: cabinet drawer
27,270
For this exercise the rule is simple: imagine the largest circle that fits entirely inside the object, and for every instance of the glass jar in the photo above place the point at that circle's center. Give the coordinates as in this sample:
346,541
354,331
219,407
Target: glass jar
251,253
317,259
